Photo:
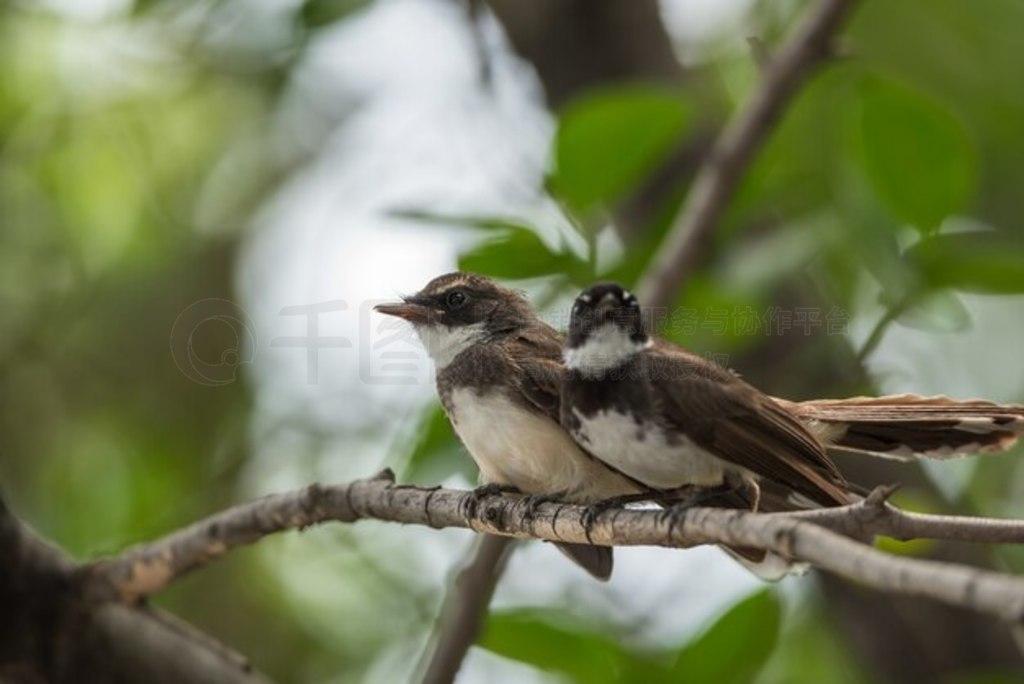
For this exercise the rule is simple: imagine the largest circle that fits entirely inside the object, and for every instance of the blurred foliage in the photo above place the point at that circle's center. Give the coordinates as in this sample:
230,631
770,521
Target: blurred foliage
518,252
115,216
808,651
136,148
878,141
732,650
436,453
609,141
919,158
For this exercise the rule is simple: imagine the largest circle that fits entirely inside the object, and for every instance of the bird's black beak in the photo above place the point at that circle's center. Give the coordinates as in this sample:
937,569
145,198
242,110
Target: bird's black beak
409,310
607,308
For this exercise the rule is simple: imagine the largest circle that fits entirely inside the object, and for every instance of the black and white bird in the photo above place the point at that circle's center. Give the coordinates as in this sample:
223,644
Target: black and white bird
499,374
672,420
668,418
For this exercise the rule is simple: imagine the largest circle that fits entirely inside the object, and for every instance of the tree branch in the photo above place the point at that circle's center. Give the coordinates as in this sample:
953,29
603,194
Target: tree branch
733,151
49,632
875,516
467,602
798,537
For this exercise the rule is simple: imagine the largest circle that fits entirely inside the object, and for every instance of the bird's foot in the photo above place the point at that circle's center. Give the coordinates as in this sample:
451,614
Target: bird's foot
533,502
692,497
596,509
471,503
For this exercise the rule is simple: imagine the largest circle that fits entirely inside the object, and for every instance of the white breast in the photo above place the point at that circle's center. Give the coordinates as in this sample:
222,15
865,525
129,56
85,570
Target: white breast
513,445
605,348
443,343
643,452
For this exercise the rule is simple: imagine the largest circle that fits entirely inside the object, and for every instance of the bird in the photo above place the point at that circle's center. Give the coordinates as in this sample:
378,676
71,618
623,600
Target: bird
676,422
670,419
498,375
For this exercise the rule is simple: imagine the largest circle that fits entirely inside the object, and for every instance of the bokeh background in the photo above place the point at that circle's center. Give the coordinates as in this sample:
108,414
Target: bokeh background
201,201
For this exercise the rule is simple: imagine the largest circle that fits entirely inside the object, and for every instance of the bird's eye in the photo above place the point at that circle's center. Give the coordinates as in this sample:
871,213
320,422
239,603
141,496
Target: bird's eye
455,299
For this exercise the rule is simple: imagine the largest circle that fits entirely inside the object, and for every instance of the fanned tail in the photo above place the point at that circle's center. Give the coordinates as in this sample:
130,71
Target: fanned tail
907,426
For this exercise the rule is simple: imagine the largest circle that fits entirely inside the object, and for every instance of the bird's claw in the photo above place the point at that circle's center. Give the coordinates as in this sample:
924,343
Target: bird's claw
675,512
533,503
692,497
471,503
590,517
596,509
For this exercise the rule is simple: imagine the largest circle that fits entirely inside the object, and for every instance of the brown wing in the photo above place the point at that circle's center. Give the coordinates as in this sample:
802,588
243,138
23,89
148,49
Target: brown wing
739,424
537,353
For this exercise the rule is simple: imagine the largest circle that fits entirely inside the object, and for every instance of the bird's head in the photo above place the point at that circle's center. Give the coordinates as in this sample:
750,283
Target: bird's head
456,310
606,329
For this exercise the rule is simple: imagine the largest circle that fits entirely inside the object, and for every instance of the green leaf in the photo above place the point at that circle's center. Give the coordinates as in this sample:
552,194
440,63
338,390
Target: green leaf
518,253
811,652
319,13
514,250
989,262
919,548
437,453
549,641
736,647
869,236
609,140
479,222
921,160
937,311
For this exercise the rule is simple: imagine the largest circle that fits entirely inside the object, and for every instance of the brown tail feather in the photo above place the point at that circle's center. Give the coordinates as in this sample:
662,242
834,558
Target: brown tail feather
908,426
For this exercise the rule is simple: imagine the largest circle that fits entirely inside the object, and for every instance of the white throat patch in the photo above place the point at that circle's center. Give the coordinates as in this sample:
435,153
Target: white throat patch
444,343
606,348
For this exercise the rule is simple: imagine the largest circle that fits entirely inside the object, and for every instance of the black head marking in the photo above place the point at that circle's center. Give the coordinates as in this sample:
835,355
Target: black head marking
605,303
457,299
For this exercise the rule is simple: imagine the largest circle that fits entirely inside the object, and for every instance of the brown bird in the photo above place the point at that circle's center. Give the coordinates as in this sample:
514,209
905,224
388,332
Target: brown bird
669,419
499,374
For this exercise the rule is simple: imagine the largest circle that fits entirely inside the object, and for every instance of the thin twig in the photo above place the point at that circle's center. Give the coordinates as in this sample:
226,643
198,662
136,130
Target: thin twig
733,151
759,52
798,537
875,516
874,338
